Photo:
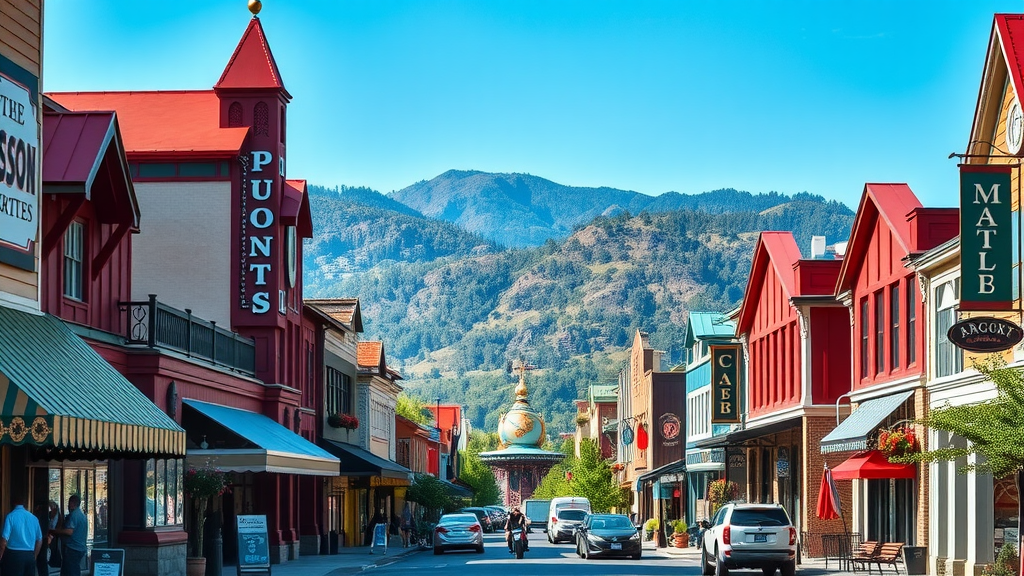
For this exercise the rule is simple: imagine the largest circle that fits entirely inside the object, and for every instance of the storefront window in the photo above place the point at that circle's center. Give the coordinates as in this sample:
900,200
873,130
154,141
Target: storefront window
164,496
1006,520
949,359
90,483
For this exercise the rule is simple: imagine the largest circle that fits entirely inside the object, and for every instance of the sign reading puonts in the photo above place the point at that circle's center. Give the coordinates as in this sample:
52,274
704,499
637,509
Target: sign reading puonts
985,239
985,334
19,165
725,376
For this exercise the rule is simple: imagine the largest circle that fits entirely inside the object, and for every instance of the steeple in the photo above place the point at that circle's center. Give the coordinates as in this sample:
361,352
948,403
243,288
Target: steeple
252,65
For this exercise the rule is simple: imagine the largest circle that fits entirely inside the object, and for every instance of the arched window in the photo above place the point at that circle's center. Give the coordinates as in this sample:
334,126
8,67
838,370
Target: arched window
261,119
234,115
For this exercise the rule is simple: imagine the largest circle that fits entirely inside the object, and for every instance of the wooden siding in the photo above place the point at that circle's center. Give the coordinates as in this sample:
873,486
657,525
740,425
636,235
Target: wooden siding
774,350
21,43
878,273
102,289
830,354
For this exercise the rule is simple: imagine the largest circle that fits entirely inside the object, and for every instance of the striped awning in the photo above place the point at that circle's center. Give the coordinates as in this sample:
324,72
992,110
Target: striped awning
56,392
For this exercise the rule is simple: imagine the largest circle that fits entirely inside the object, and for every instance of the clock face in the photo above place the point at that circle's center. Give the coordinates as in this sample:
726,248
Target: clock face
1014,127
289,250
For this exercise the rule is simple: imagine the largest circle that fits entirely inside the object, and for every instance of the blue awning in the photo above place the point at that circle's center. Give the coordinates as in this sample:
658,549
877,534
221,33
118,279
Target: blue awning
242,441
852,434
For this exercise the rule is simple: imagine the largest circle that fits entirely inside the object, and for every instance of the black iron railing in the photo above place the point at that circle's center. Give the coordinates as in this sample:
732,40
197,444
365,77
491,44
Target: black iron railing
160,326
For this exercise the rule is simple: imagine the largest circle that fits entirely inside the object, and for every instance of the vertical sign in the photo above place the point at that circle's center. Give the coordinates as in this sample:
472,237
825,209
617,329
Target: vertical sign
253,545
985,239
20,165
725,391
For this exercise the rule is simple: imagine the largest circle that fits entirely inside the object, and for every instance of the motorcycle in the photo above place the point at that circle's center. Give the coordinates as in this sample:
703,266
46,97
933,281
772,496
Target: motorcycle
519,544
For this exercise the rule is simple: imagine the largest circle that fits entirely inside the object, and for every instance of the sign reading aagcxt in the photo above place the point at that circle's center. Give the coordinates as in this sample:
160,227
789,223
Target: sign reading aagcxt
725,391
986,241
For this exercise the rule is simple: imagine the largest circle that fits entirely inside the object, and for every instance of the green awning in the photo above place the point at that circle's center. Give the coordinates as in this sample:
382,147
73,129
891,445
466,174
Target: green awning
242,441
58,393
852,434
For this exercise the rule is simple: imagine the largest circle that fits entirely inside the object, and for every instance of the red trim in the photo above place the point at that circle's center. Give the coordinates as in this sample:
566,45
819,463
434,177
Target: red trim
985,306
996,168
152,537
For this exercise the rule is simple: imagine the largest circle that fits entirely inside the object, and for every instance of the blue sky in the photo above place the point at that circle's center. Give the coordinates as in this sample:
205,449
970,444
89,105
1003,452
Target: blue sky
652,96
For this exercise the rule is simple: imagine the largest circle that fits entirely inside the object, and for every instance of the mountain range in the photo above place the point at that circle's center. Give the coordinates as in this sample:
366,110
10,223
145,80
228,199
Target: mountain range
463,273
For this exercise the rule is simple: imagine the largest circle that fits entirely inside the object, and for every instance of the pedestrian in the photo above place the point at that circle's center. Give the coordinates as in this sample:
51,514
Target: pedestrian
75,529
42,511
20,542
406,525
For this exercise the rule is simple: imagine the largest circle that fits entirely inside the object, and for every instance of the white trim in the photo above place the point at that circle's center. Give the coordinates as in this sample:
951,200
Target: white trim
887,388
805,411
20,303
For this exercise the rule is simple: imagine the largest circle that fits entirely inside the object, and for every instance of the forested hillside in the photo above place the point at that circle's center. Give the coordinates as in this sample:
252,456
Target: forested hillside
453,309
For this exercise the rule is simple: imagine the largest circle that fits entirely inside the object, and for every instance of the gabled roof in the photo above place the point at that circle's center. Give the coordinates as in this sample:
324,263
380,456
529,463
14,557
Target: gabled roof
890,202
342,311
161,122
371,355
295,208
252,65
775,252
1004,63
708,325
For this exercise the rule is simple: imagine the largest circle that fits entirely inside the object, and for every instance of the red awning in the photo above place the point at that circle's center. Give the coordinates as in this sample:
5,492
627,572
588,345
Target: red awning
873,465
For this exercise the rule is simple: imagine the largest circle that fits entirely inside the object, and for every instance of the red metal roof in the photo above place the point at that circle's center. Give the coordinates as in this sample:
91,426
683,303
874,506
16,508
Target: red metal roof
1009,29
893,203
252,65
162,122
779,250
295,208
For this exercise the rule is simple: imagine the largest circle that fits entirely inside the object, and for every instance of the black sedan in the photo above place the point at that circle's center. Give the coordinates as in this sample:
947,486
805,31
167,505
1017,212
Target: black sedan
608,535
482,516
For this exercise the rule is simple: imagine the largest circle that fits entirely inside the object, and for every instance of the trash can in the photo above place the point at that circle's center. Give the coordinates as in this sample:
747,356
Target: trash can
916,559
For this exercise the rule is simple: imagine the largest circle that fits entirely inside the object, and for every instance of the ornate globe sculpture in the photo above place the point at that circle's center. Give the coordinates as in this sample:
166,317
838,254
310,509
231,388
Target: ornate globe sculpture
519,463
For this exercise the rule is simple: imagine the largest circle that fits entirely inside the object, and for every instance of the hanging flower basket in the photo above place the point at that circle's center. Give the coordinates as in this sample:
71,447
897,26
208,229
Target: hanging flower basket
618,467
339,420
898,442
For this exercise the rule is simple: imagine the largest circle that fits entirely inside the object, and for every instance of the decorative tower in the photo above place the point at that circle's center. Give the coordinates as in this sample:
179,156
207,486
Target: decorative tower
519,463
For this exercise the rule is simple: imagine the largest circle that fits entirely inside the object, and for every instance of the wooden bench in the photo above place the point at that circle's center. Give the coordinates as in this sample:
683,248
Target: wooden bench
888,553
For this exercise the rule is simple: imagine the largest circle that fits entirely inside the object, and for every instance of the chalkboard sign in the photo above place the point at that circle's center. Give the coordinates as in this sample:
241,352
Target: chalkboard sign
253,545
380,538
107,562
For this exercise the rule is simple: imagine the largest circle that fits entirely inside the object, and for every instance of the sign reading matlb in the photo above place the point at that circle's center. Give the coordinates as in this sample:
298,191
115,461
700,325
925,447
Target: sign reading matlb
725,391
985,239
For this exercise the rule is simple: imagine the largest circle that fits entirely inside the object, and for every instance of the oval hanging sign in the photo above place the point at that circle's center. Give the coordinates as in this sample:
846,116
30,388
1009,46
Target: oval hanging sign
627,435
985,334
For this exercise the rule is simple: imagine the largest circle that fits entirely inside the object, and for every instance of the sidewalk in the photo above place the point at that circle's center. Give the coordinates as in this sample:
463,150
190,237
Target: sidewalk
347,561
806,565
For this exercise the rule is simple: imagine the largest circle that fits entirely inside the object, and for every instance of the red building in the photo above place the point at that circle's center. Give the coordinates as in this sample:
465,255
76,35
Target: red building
888,343
219,247
794,336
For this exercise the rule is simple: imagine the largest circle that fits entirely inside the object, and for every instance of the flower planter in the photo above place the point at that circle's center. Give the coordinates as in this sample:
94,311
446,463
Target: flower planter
681,539
195,566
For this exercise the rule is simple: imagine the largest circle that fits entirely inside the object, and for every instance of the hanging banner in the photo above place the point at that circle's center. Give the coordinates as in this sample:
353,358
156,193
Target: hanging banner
986,241
641,437
725,381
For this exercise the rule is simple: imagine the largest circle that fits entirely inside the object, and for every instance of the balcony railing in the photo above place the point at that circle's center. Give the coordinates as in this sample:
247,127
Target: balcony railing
160,326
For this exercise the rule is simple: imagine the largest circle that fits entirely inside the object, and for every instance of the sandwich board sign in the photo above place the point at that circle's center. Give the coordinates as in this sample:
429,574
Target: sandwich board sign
107,562
253,545
380,538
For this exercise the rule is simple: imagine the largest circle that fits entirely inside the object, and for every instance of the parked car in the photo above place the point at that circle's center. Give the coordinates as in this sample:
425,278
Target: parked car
458,532
481,516
565,502
536,512
608,535
749,536
498,516
563,526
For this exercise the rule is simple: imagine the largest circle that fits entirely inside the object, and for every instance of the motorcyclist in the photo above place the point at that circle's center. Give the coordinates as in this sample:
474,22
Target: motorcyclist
516,519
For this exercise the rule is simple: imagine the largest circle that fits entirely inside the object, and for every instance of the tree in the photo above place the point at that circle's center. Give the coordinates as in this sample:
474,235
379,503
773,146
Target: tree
477,474
992,430
414,409
589,476
432,494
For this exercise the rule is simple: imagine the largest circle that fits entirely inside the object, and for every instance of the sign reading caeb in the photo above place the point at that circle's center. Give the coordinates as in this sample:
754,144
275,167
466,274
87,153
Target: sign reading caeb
985,334
725,375
985,238
19,165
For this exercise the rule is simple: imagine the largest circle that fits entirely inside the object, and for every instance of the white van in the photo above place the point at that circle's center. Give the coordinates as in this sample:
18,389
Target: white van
563,526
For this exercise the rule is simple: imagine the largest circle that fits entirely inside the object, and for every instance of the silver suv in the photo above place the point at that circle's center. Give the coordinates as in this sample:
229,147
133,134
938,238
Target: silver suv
749,536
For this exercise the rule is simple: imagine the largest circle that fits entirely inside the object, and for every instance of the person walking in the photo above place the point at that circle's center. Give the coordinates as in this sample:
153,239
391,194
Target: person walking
76,529
406,525
20,542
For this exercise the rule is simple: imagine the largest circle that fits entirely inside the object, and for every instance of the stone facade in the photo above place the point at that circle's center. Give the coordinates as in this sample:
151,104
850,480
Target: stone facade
166,560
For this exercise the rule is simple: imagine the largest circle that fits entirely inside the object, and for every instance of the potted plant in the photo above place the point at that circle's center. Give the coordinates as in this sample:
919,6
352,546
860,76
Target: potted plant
201,484
898,442
680,537
650,526
582,419
340,420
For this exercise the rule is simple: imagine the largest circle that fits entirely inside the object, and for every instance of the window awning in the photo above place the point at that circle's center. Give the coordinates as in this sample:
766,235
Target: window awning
739,437
243,441
358,462
58,394
672,468
873,465
852,434
458,489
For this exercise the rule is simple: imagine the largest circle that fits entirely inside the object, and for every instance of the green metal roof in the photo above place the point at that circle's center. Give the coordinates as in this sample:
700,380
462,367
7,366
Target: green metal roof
604,392
708,325
69,397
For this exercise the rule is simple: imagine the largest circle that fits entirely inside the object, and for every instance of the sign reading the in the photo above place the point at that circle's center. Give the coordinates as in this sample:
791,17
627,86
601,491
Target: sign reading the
725,375
107,562
20,166
985,238
985,334
253,544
